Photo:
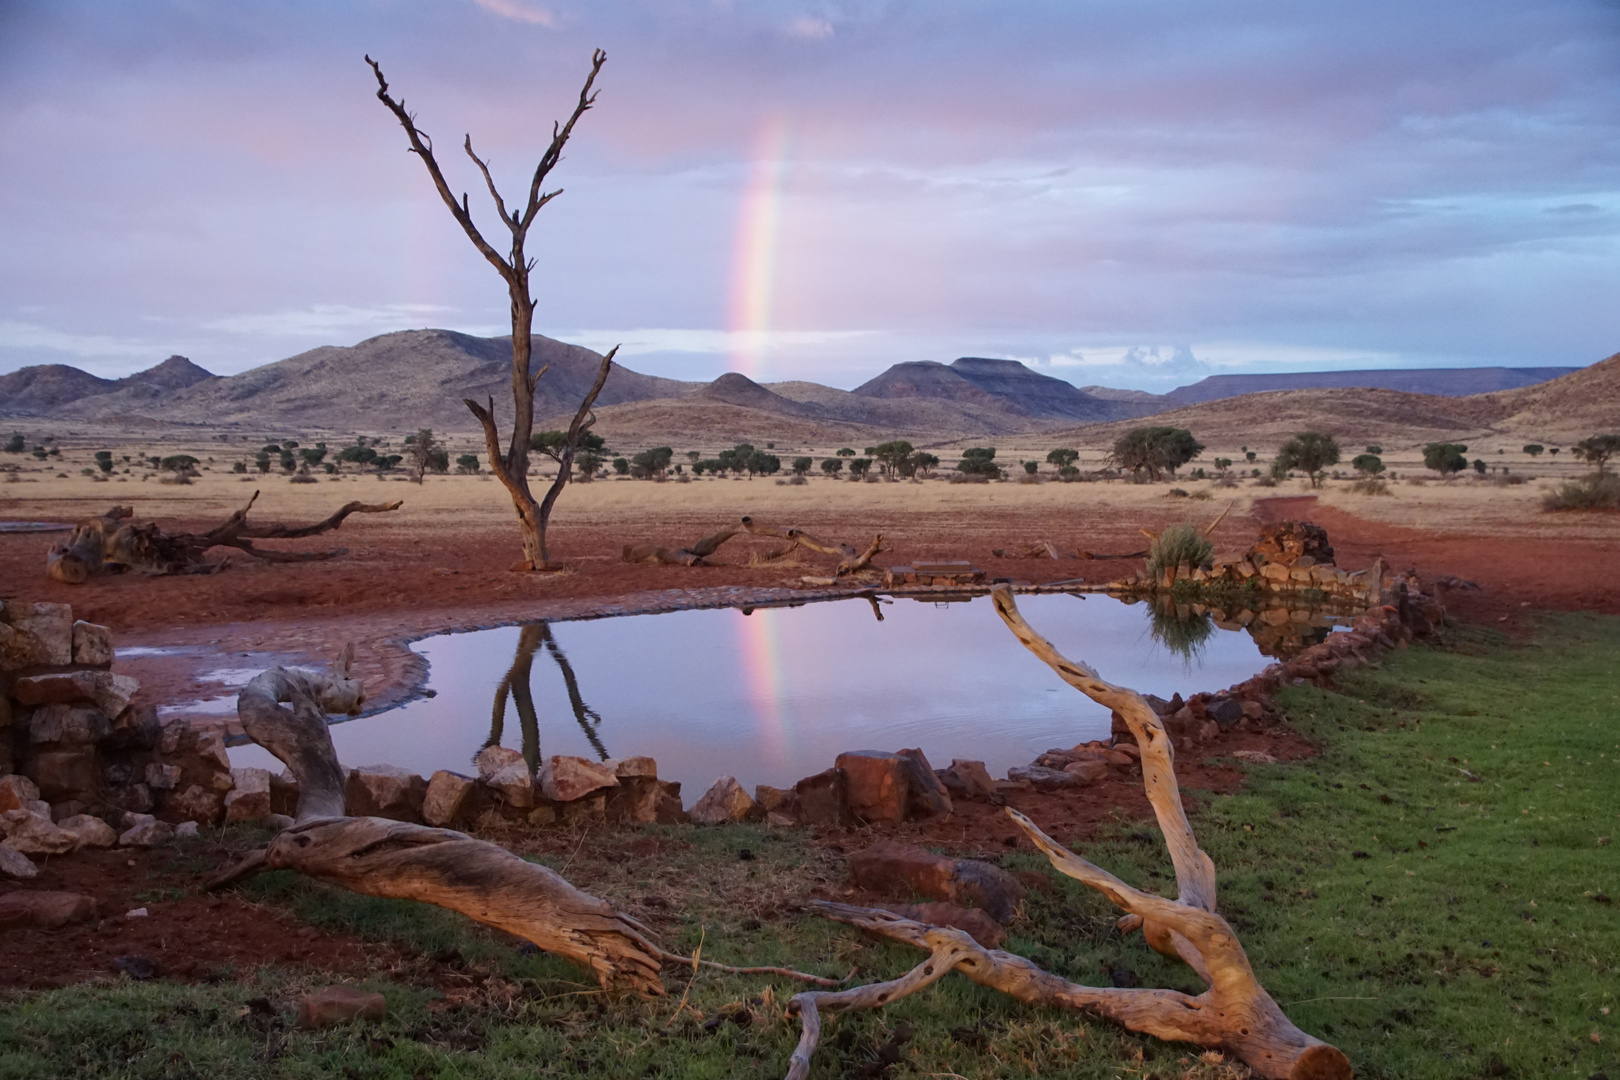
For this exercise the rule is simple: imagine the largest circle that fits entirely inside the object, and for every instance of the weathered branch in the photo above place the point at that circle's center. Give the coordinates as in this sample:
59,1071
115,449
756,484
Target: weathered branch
583,419
1235,1013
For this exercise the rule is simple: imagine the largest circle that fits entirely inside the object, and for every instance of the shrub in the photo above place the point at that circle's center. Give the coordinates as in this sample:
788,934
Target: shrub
1368,464
16,444
831,466
1480,466
1176,493
1063,457
104,460
1179,545
1311,452
922,463
1534,449
1069,473
979,461
651,464
1445,458
1600,491
1370,485
239,467
802,465
621,466
1032,467
846,452
894,458
467,463
587,463
858,467
1598,450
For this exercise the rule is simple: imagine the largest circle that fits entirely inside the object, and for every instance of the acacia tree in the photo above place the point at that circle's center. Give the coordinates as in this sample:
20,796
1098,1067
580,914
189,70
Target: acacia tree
512,467
1311,452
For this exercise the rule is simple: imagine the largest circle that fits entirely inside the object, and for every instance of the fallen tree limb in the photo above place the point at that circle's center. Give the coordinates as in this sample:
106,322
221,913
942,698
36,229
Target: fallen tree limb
1234,1014
113,543
285,712
850,560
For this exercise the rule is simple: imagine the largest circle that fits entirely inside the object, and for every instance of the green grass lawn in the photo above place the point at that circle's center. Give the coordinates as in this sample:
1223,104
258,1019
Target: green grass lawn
1431,894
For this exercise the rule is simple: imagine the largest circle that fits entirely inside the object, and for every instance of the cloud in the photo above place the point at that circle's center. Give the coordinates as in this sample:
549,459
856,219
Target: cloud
30,336
521,12
717,342
809,28
332,320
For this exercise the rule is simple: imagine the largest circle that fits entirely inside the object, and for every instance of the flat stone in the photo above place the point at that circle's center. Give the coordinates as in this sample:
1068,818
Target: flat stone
725,801
514,783
41,635
106,691
14,864
877,785
1042,778
68,725
45,910
249,797
448,797
385,791
340,1005
147,834
35,834
16,791
92,644
492,759
565,777
88,831
626,768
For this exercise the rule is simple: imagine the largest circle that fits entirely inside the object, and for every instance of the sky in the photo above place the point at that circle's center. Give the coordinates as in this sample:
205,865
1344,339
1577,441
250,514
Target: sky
1135,194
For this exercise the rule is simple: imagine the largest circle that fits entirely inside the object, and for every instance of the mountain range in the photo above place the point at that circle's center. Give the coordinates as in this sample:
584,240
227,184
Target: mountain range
419,377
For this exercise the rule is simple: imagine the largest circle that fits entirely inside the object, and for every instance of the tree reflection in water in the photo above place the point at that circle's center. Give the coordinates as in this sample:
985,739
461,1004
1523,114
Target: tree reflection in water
516,685
1180,629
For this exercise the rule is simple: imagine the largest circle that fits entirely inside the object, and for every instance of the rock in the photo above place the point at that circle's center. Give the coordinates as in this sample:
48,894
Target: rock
975,921
589,810
1042,778
136,797
635,801
565,778
45,910
249,797
15,864
68,725
106,691
197,804
199,752
147,834
1087,770
92,644
448,797
385,791
137,728
492,759
40,635
725,801
771,800
88,831
513,782
929,797
187,830
890,867
1289,543
35,834
969,779
630,767
819,799
877,786
780,820
16,790
339,1005
162,777
1275,572
670,811
1224,711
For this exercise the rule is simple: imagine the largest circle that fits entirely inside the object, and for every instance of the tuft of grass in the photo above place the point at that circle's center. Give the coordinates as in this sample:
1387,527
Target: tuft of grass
1178,545
1600,491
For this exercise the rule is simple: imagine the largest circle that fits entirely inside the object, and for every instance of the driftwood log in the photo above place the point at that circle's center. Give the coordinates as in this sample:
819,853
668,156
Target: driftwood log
1234,1014
114,543
851,560
285,712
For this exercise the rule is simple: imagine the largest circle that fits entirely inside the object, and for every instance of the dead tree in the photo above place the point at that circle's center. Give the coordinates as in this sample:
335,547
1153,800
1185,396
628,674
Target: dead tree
512,467
114,543
850,560
1234,1014
285,712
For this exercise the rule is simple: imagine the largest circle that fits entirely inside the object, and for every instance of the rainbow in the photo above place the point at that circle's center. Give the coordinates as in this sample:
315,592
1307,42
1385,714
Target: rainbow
762,671
754,262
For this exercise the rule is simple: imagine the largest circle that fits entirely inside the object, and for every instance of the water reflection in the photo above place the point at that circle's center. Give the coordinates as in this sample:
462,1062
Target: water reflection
1180,629
516,684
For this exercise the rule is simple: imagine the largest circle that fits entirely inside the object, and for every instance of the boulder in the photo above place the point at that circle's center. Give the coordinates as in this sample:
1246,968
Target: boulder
670,811
1224,711
340,1005
565,778
249,797
106,691
16,791
773,800
35,635
635,801
1289,543
513,783
492,759
68,725
92,644
449,796
136,728
14,864
891,867
88,831
725,801
35,834
1087,770
161,776
65,772
45,910
976,922
199,752
877,785
145,833
385,791
819,799
631,767
196,803
928,797
968,779
1042,778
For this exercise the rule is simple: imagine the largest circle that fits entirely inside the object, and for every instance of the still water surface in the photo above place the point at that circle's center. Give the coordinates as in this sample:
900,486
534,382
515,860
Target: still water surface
775,695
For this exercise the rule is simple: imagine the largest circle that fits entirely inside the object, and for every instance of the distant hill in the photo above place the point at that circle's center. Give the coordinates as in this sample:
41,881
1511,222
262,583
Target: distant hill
1445,382
1005,384
49,389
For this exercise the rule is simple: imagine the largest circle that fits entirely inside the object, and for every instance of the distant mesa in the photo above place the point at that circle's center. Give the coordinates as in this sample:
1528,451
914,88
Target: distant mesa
734,388
1444,382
